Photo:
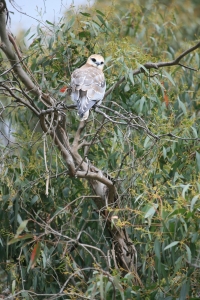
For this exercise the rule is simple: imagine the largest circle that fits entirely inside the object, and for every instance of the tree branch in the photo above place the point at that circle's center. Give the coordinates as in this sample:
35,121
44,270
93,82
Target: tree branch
25,103
6,47
151,65
14,61
95,176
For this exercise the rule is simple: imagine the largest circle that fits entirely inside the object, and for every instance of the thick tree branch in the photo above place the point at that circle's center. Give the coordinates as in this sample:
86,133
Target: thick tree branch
15,63
77,135
95,176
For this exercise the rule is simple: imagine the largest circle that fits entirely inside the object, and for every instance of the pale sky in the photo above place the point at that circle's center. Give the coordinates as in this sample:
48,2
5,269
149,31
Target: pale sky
50,10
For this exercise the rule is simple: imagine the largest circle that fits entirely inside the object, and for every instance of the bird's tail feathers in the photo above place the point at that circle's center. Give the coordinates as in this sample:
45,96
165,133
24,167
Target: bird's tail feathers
84,105
85,116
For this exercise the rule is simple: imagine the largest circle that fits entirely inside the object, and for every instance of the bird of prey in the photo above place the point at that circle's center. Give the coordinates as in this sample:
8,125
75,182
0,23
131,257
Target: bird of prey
88,85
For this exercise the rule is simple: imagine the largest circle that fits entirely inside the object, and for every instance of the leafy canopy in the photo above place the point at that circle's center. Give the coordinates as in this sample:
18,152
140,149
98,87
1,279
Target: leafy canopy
158,180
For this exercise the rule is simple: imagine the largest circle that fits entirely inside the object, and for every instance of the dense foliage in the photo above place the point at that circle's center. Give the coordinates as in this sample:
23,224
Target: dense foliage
57,241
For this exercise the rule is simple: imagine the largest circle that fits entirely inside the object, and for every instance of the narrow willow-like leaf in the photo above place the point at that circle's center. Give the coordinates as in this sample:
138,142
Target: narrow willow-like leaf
172,245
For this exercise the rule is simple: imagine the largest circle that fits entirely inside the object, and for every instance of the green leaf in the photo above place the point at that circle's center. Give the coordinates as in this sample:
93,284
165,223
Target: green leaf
182,106
197,59
178,264
164,152
34,199
107,288
21,238
100,12
127,87
147,142
85,14
31,37
185,189
151,211
142,101
49,23
157,248
130,75
189,254
198,160
101,20
77,42
13,286
194,200
71,22
184,291
169,77
21,167
171,245
21,227
195,132
101,286
27,32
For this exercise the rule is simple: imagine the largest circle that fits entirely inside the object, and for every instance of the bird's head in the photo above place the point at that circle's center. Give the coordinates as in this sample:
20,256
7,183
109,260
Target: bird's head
96,61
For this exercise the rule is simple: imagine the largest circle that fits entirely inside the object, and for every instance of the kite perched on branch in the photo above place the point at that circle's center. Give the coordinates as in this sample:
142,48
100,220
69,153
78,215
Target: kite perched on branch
88,85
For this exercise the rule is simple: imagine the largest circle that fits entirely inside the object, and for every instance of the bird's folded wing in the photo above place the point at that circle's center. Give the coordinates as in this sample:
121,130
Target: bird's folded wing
88,79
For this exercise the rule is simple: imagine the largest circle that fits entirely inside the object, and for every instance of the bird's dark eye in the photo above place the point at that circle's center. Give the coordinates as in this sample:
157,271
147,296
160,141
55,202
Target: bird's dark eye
102,63
93,59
